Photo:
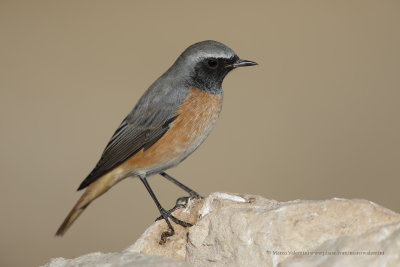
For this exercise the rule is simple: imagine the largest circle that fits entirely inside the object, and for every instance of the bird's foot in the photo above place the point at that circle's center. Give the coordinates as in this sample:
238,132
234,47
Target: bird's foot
181,203
194,195
165,235
166,214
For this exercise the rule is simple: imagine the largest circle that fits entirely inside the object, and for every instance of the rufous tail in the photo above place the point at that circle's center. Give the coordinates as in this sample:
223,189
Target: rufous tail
94,190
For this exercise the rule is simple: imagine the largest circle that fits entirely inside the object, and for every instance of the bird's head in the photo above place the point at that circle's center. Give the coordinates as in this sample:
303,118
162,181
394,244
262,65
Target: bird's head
205,64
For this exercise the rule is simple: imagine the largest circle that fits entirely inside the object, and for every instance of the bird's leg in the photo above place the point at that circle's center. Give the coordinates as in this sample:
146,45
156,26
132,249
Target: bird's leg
164,213
182,201
192,193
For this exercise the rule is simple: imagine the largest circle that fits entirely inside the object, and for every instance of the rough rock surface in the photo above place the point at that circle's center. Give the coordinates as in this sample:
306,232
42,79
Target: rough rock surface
264,232
246,230
117,259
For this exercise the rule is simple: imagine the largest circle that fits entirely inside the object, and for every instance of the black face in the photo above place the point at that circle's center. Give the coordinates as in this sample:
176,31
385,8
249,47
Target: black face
210,72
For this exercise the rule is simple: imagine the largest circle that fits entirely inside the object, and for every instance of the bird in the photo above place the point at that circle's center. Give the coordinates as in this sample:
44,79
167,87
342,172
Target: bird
168,123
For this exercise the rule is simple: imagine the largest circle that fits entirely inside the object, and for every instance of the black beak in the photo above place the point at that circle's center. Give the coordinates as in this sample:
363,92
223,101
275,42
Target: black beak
242,63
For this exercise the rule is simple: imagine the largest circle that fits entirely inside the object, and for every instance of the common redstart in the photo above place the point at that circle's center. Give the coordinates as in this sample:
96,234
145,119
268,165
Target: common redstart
172,118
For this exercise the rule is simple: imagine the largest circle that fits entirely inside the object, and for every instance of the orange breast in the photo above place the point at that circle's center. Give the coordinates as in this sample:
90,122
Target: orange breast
196,118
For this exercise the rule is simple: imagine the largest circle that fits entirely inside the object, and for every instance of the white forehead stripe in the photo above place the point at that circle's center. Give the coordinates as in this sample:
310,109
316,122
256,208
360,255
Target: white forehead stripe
215,54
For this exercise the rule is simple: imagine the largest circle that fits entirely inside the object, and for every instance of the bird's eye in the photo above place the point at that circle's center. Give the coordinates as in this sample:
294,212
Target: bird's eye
212,63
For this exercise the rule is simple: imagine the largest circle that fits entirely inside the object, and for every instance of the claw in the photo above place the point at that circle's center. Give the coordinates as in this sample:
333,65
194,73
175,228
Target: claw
196,196
180,203
177,206
165,215
180,222
165,235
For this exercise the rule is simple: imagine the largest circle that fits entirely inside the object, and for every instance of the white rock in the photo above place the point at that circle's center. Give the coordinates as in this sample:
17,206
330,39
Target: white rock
118,259
246,230
263,232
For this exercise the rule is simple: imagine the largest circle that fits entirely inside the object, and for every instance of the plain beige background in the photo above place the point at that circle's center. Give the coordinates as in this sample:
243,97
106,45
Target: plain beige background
318,118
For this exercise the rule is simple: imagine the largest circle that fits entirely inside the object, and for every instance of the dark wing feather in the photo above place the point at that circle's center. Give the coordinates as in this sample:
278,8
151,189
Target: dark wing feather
144,126
134,133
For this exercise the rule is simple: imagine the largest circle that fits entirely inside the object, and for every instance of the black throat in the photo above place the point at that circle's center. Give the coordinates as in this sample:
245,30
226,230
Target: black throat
210,79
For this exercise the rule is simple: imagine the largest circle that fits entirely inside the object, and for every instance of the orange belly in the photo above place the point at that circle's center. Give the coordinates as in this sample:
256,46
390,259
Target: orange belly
196,118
